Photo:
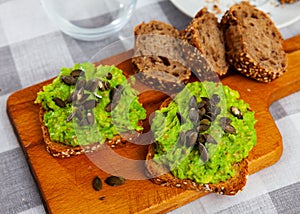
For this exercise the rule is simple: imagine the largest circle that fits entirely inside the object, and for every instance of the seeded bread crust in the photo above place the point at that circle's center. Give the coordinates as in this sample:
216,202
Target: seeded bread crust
161,174
204,32
158,57
253,43
57,149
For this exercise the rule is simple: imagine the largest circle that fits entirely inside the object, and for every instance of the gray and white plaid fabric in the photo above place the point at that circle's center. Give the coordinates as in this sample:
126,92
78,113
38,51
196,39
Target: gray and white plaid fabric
32,50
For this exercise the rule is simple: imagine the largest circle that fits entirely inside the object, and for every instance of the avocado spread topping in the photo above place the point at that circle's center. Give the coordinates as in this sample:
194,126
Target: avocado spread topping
203,131
87,104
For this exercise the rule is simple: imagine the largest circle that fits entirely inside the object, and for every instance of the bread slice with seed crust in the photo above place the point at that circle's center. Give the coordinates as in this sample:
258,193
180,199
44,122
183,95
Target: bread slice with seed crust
204,32
253,43
161,174
157,56
57,149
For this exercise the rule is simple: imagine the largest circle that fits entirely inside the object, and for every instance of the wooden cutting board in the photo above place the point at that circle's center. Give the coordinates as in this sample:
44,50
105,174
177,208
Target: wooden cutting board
65,184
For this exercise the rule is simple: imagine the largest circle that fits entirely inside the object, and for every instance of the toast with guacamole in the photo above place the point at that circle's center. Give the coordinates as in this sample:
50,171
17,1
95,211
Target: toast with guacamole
201,140
87,106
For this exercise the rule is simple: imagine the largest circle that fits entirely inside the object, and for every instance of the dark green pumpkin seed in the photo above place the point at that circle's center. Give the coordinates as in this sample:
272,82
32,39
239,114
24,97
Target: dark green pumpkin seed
97,183
109,76
76,73
90,104
236,112
69,80
193,102
90,118
215,98
115,180
59,102
203,153
228,129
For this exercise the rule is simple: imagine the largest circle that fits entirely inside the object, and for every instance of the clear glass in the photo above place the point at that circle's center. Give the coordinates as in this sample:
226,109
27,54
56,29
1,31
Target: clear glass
89,19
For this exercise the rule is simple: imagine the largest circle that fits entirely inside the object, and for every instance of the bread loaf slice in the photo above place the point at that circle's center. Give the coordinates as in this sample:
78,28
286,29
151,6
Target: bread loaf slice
158,56
253,43
161,175
57,149
205,33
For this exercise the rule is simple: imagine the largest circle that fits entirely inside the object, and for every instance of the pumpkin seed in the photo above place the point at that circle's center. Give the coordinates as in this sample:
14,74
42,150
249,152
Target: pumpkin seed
90,118
215,98
109,76
228,129
236,112
76,73
193,102
97,183
91,85
69,80
191,138
106,85
115,180
90,104
101,86
59,102
202,112
203,153
194,115
115,95
204,125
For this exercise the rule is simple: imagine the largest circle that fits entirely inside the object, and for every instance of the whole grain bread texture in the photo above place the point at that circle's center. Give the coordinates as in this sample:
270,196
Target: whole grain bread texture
161,175
157,56
253,43
204,32
60,150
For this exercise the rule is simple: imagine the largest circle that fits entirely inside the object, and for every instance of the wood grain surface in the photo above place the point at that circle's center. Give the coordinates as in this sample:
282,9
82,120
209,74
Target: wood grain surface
65,184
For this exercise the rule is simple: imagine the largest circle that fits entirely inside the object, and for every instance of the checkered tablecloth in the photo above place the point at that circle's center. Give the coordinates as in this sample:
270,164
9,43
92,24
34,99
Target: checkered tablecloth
32,50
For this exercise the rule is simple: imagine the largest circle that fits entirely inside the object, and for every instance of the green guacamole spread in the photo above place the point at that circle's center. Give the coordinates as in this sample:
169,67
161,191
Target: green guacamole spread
66,128
184,161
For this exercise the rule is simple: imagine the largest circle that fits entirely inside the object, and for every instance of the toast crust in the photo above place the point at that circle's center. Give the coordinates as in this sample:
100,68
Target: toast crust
57,149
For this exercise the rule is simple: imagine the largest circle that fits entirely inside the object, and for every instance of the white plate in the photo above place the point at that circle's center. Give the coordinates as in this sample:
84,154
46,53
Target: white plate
282,15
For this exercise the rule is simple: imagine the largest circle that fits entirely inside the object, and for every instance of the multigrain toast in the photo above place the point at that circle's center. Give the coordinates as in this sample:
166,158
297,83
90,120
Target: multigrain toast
253,43
160,173
79,114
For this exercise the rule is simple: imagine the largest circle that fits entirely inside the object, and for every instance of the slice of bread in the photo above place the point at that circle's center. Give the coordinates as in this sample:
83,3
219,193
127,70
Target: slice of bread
158,56
253,43
161,174
204,32
57,149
